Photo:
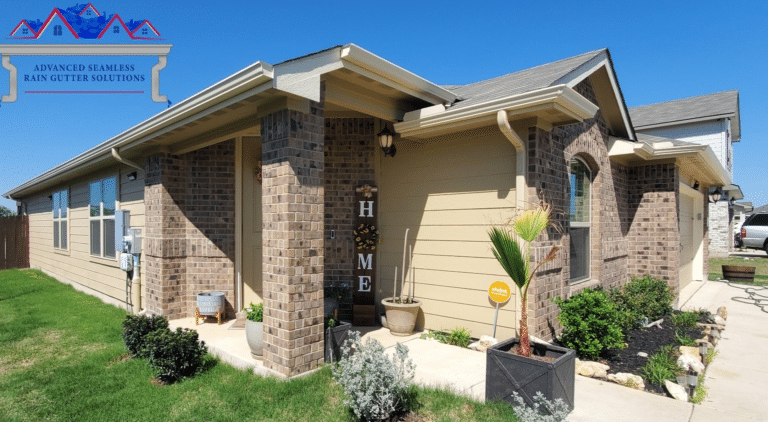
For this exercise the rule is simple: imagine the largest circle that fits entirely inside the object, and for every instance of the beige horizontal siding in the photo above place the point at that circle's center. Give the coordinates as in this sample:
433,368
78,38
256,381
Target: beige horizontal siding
76,264
448,193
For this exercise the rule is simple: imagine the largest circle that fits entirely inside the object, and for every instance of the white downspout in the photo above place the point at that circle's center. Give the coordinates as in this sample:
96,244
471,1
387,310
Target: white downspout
124,161
521,166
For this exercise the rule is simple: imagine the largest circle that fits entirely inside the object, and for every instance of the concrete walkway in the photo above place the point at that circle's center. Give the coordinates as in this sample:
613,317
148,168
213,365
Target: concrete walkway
737,380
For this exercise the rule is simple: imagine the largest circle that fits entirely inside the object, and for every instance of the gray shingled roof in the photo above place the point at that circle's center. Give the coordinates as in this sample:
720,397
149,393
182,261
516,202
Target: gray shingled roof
724,103
519,82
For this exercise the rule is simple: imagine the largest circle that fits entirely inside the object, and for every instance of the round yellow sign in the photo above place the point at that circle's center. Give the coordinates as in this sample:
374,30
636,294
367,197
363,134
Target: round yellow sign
499,292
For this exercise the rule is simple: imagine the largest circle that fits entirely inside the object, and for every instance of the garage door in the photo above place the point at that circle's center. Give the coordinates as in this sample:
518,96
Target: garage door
688,251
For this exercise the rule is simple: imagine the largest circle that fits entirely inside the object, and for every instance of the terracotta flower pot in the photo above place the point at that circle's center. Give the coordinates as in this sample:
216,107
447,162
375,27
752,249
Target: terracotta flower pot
401,317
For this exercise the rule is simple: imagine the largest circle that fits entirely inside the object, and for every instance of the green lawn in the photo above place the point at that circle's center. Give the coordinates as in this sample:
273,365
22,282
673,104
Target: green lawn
62,359
760,263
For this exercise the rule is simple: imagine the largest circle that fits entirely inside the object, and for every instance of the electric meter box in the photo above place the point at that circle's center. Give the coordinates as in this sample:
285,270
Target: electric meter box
136,238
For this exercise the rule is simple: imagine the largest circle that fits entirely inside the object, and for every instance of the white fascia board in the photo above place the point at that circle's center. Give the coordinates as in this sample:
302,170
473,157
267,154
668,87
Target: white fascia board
252,76
593,65
641,128
648,152
404,80
560,96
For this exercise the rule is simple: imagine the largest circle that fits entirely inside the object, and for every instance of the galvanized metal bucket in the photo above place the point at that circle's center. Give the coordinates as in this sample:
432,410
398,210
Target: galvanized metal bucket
209,303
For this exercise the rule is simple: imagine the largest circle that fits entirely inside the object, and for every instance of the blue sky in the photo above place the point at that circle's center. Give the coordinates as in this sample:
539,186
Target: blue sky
661,51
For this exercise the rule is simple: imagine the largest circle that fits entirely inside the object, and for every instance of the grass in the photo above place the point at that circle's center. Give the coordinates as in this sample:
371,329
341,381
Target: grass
686,319
760,264
62,359
661,366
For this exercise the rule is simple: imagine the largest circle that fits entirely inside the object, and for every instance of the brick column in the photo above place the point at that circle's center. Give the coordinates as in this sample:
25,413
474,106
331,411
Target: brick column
164,267
292,212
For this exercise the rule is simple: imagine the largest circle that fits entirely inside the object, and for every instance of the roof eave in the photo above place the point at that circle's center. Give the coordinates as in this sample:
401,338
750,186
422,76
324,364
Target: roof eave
422,123
411,83
252,76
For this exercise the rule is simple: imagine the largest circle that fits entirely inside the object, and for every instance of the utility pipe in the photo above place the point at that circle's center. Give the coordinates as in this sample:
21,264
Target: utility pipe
136,286
124,161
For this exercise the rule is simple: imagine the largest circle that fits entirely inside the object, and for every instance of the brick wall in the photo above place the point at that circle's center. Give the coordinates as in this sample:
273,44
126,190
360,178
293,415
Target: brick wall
293,228
654,238
349,163
190,228
549,156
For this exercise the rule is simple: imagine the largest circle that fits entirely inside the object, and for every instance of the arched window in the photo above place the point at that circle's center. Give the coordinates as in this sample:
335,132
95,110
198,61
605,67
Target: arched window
116,29
581,179
57,30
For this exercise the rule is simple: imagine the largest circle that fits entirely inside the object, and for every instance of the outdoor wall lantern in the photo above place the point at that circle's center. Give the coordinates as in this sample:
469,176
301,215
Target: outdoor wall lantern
385,140
696,184
716,195
132,176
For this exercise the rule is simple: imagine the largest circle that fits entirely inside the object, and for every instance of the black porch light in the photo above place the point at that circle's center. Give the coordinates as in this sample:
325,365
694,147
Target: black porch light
385,140
716,195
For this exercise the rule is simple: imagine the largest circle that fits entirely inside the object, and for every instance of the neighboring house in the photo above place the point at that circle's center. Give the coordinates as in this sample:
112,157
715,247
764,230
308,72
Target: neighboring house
711,120
249,187
83,21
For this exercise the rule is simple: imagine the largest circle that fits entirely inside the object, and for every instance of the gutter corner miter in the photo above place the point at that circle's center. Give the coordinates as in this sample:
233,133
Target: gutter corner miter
520,165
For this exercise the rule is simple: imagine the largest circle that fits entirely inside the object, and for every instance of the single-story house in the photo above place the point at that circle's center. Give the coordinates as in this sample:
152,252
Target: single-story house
713,120
255,185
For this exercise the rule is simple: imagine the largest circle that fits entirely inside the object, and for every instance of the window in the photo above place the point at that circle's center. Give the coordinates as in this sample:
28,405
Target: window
579,220
24,31
143,31
116,29
57,30
102,220
88,12
60,211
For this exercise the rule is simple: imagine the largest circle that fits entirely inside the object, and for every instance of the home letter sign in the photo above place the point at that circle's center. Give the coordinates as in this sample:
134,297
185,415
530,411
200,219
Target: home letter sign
365,242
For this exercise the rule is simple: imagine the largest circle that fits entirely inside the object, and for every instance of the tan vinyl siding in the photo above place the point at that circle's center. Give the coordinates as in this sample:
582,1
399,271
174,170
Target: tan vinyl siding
77,264
448,191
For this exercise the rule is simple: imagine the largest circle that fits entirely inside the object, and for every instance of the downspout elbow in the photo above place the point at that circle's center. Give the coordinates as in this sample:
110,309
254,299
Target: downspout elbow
117,156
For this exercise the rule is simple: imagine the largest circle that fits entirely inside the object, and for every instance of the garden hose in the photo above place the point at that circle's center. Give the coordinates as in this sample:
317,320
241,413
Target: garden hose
755,298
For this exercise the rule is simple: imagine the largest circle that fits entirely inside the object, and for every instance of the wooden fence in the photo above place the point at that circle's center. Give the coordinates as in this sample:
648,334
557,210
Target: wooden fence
14,242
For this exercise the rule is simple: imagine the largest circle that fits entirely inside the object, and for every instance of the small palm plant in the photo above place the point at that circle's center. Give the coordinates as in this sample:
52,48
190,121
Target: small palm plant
516,262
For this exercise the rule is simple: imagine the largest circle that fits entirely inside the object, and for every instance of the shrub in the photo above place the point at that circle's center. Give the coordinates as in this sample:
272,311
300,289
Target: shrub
374,386
255,313
591,323
136,328
685,319
174,355
642,298
459,336
551,411
661,366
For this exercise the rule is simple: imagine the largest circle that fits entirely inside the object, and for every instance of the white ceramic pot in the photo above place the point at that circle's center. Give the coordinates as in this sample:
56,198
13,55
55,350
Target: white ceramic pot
254,334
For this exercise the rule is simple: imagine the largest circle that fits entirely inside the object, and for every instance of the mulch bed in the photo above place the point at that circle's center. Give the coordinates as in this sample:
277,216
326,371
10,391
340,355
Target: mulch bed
647,340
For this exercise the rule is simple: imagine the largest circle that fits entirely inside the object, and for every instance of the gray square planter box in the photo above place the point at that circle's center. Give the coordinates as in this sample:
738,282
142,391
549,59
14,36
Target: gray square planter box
334,339
507,373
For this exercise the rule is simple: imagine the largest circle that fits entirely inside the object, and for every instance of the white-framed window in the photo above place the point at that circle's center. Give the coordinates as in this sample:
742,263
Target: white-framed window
60,219
580,210
103,197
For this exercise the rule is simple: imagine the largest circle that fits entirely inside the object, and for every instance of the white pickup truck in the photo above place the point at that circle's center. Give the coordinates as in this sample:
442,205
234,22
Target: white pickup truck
754,232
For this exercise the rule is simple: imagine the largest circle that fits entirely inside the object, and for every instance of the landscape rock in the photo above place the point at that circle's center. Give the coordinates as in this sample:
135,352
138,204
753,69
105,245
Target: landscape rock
483,344
688,362
676,391
719,320
591,369
690,351
642,354
629,380
705,342
722,312
705,326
